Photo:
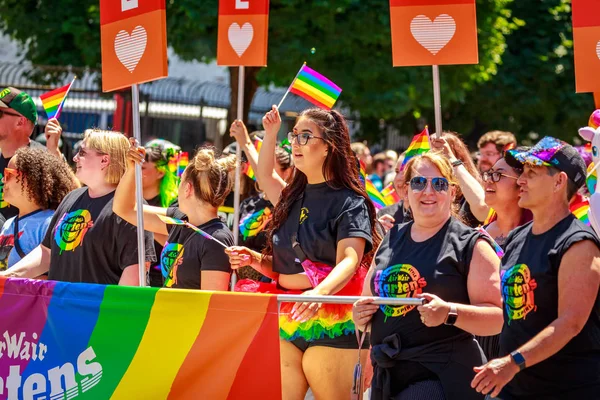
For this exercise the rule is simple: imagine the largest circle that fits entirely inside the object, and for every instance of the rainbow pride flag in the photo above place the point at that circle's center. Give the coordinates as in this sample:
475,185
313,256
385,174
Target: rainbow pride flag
314,87
248,169
374,195
115,342
362,172
53,101
580,211
419,145
390,196
182,162
253,224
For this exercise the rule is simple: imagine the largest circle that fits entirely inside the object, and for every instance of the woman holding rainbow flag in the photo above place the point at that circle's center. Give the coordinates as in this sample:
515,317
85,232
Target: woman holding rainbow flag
322,237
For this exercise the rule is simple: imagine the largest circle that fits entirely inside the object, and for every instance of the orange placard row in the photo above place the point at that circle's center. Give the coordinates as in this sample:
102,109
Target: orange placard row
586,43
434,35
243,33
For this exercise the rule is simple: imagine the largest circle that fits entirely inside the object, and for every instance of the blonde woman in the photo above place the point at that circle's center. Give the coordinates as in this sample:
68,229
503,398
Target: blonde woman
188,260
86,241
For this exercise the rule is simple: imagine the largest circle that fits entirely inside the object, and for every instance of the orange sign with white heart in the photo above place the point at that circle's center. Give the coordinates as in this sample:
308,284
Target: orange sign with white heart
586,43
243,33
433,32
134,42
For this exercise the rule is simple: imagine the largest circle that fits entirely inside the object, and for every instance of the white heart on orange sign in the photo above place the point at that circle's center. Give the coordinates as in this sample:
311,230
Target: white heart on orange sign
598,49
131,48
433,35
240,37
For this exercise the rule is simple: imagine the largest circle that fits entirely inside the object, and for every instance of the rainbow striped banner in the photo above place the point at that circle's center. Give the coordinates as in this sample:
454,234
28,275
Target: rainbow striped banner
390,196
580,211
62,340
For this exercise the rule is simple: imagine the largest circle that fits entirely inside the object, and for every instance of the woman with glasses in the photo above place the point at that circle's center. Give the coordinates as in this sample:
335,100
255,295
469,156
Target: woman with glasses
35,182
428,351
86,241
320,241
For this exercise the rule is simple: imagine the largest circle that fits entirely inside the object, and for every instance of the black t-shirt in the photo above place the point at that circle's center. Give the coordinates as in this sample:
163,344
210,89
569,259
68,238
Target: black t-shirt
529,279
89,242
397,212
325,216
6,210
255,213
466,214
187,253
155,274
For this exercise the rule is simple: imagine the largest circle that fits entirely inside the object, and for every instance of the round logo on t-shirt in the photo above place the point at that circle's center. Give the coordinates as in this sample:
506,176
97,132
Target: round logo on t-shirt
517,291
401,280
170,258
71,229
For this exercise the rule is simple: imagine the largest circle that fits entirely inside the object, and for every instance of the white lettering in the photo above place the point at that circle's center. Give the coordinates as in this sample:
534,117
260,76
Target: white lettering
25,355
13,382
13,346
127,5
34,384
55,376
43,350
84,369
2,347
242,4
1,386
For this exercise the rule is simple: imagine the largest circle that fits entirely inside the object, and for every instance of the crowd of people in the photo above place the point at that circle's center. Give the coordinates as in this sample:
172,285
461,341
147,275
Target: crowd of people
508,277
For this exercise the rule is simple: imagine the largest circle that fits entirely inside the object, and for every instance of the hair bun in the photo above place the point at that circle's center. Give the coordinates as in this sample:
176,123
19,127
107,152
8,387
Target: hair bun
204,159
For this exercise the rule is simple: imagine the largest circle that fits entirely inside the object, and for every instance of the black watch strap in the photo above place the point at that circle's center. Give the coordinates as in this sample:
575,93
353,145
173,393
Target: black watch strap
456,163
518,359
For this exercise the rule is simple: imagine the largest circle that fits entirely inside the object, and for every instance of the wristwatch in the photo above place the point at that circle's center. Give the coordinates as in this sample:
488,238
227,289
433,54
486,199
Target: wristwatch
456,163
452,315
518,359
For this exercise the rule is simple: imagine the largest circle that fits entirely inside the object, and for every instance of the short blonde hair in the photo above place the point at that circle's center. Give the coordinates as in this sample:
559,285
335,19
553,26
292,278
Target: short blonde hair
115,145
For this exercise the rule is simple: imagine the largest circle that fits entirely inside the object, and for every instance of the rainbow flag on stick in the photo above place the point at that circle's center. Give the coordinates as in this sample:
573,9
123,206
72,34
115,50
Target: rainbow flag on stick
53,101
314,87
374,195
174,221
580,211
419,145
390,196
248,169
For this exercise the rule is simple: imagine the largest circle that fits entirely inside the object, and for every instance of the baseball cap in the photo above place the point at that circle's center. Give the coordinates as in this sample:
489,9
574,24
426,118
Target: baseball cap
19,101
551,152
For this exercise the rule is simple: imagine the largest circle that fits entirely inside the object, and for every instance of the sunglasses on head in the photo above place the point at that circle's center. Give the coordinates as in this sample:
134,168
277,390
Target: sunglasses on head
419,183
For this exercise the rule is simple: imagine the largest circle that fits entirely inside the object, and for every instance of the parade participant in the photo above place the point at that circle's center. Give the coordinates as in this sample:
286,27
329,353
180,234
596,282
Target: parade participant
492,146
86,241
363,153
399,212
188,260
160,186
18,117
471,197
428,352
502,195
324,219
550,277
35,182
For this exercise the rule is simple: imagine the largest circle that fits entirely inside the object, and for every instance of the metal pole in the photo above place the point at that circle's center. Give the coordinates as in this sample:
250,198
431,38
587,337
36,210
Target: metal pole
392,301
139,199
437,101
238,172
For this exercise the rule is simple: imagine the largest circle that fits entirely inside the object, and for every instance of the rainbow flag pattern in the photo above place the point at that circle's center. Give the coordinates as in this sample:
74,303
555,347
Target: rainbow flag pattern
53,100
374,195
314,87
580,211
389,195
362,172
248,171
493,243
592,178
182,162
419,145
253,224
174,221
88,341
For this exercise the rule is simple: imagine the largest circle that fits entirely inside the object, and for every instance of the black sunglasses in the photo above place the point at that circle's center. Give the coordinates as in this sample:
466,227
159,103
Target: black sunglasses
419,183
301,138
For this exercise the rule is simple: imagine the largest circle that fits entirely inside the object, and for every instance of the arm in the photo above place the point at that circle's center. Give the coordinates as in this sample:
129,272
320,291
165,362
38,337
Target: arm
579,272
363,309
131,275
349,253
473,192
53,131
268,179
483,316
242,256
124,203
215,280
34,264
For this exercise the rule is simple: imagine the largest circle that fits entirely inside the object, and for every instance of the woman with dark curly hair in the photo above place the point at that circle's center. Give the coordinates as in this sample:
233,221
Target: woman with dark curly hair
35,182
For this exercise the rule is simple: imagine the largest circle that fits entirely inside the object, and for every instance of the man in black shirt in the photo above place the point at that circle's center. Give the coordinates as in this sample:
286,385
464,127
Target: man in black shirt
550,276
18,117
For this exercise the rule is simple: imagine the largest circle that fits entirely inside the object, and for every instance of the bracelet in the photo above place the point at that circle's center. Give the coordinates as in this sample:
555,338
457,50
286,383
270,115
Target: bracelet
457,163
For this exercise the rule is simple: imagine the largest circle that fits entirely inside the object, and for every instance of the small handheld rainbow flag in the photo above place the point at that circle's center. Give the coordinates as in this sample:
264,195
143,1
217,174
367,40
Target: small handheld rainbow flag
390,196
362,172
254,223
374,195
419,145
580,211
314,87
248,169
53,101
183,161
174,221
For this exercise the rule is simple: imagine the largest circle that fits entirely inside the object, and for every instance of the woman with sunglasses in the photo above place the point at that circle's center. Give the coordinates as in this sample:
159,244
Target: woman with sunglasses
428,352
86,241
35,182
323,227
